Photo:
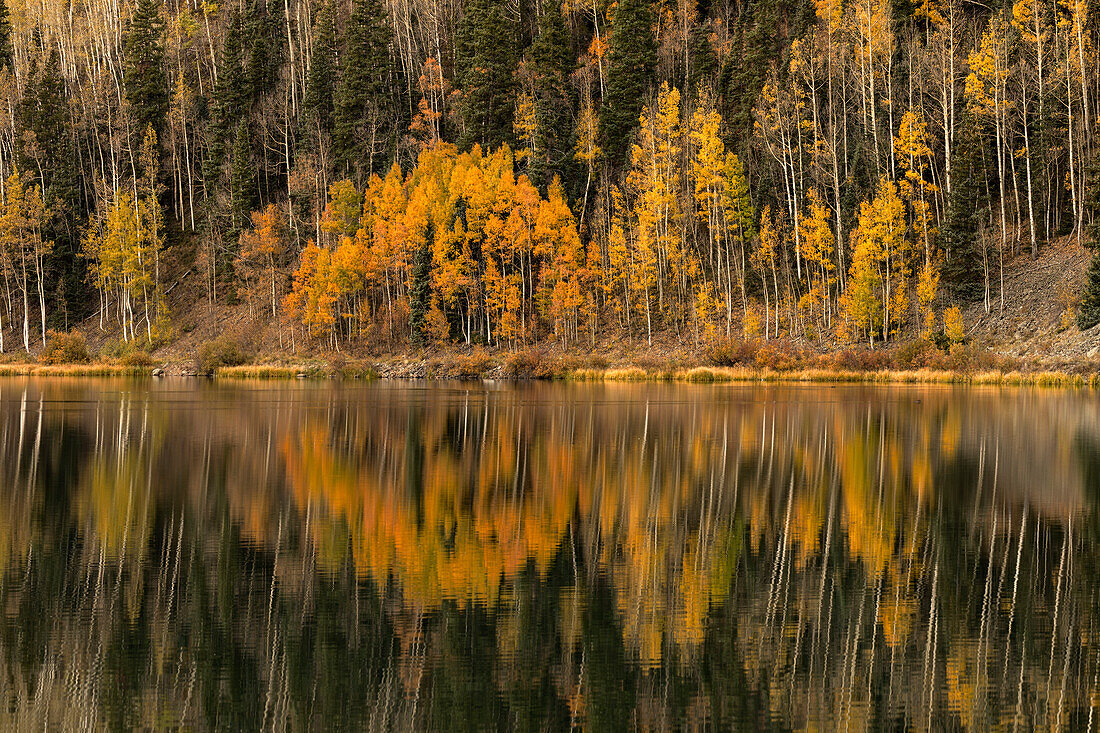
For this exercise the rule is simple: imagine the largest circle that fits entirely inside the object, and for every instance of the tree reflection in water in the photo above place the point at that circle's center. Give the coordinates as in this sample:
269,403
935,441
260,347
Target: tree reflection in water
463,557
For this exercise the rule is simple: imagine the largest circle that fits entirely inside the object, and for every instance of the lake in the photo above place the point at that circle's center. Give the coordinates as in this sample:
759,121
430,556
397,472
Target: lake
395,556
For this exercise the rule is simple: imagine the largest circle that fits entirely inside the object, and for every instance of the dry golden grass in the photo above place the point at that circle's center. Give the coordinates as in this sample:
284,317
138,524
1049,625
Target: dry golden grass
73,370
257,371
713,375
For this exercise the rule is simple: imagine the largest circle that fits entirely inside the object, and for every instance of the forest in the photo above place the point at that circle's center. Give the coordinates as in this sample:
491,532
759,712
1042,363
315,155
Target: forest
420,173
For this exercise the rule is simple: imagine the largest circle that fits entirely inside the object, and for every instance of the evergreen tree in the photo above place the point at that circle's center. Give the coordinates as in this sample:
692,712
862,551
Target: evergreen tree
1088,314
486,71
631,59
145,77
321,80
265,38
364,131
962,271
242,180
231,99
7,53
704,62
46,148
420,289
553,60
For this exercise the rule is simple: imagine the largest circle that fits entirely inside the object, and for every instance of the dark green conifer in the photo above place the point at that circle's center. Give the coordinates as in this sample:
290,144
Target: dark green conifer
1088,314
631,59
364,128
321,81
553,60
420,290
7,52
242,179
486,73
145,77
962,271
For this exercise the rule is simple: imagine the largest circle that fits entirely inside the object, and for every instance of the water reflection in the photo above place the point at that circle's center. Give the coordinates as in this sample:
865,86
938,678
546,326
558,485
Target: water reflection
465,557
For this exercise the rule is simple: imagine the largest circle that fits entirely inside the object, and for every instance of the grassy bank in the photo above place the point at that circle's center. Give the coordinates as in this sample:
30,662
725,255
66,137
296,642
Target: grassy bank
727,361
713,375
311,370
73,370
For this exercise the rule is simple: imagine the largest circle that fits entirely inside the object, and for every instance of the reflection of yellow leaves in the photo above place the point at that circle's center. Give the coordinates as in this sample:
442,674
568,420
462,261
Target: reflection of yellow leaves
961,684
117,504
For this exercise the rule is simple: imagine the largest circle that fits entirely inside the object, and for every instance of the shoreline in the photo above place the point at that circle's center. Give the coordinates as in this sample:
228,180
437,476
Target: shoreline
314,371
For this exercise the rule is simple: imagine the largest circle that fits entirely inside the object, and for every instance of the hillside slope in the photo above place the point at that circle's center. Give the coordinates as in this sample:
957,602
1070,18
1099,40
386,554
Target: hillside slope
1034,322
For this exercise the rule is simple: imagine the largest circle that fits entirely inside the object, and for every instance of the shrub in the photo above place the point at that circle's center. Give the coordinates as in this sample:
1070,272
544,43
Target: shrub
337,363
733,352
65,348
219,352
916,355
140,359
782,356
474,365
526,364
595,361
860,359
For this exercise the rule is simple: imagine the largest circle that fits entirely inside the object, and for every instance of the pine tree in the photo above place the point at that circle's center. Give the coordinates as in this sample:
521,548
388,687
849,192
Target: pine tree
242,181
553,149
420,289
704,62
1088,314
486,69
321,81
631,59
46,148
265,40
7,53
231,99
962,271
364,126
145,77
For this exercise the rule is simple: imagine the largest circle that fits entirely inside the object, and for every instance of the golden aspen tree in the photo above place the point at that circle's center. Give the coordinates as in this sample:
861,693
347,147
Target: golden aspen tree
312,297
525,126
261,249
740,224
655,181
340,218
911,147
817,252
121,245
860,303
953,326
22,216
927,285
876,295
763,260
987,98
586,150
565,265
1029,17
708,172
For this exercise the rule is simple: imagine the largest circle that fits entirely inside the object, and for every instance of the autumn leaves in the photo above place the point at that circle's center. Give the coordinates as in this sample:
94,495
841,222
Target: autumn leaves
504,262
461,248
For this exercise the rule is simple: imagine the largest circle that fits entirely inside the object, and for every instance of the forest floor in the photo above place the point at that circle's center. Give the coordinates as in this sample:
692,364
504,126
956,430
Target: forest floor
1033,331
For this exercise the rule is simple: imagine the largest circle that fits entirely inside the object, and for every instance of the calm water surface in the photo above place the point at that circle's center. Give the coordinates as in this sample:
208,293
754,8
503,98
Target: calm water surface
471,557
